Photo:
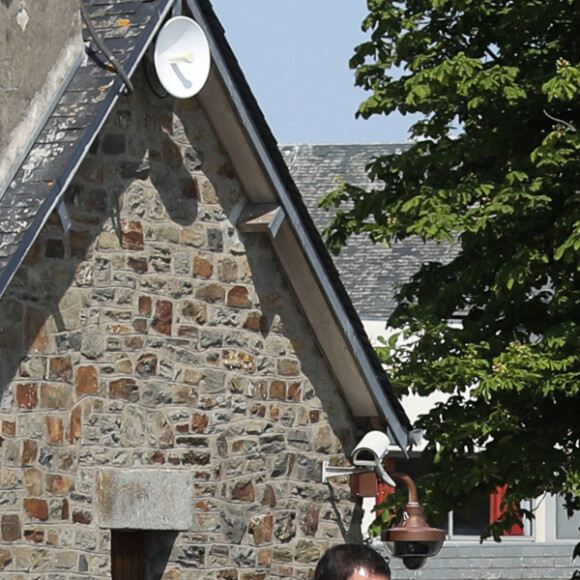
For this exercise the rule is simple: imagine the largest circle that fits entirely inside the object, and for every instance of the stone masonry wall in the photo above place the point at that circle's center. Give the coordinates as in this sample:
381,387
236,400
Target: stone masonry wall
155,336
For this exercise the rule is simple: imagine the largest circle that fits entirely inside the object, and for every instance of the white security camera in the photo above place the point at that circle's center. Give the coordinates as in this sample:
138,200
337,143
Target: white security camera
371,450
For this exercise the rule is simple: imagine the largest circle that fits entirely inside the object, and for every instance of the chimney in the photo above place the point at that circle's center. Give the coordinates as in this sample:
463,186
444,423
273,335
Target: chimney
39,43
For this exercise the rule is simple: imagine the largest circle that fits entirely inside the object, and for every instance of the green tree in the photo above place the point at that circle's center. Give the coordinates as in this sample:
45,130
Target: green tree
495,170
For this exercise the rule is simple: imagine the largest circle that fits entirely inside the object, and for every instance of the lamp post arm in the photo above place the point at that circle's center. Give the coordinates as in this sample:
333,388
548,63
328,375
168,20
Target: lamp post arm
404,478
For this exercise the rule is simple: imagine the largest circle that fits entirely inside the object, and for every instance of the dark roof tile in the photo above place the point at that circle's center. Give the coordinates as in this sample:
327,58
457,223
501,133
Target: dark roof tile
371,273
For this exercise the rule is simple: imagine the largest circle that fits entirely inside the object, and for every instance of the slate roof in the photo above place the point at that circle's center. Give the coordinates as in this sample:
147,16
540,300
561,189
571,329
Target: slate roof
370,272
89,93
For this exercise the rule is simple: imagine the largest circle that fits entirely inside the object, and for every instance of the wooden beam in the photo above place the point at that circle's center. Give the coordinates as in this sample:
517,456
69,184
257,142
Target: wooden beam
261,218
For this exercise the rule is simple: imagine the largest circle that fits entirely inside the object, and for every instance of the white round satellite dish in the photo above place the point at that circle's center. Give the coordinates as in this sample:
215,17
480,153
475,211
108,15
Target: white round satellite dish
182,57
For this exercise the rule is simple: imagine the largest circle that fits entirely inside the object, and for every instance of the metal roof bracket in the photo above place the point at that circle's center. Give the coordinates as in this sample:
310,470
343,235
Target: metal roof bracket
64,216
261,217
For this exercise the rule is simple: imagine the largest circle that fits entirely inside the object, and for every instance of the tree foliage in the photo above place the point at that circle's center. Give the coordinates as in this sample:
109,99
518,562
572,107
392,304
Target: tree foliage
495,170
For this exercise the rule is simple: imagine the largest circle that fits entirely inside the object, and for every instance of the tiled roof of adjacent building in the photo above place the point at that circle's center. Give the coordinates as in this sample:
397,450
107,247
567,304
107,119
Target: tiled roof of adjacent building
370,272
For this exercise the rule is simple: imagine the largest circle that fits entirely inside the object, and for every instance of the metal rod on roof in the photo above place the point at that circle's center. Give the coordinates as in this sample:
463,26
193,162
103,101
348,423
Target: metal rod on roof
129,89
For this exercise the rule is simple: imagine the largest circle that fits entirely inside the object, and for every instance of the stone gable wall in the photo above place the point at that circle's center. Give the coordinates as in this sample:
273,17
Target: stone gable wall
155,336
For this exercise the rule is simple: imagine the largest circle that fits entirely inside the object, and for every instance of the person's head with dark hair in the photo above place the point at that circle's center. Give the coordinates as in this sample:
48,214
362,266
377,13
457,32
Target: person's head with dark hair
352,562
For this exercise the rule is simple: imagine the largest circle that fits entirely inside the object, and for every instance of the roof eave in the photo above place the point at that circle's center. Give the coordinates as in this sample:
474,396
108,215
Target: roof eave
337,336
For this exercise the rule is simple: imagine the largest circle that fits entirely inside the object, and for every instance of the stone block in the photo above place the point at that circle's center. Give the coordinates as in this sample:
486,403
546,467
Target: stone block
55,396
212,293
11,528
59,484
26,395
163,317
202,267
125,389
244,491
261,528
239,297
132,235
33,481
87,381
29,452
145,499
55,430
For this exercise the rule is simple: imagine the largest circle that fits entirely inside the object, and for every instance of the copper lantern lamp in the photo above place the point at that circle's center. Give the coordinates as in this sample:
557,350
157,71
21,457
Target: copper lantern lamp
413,540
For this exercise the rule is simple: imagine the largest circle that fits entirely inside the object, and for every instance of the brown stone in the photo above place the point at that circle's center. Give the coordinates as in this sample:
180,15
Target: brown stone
82,517
26,395
55,430
254,576
244,491
295,392
158,457
35,536
254,321
65,511
11,528
29,451
132,235
59,484
8,428
76,424
212,293
229,574
310,526
163,317
314,416
36,508
125,389
202,267
138,265
239,297
269,497
278,390
199,422
145,305
60,369
265,557
87,381
261,528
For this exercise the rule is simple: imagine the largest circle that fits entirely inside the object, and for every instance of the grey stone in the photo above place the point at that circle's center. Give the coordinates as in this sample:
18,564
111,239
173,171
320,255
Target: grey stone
145,499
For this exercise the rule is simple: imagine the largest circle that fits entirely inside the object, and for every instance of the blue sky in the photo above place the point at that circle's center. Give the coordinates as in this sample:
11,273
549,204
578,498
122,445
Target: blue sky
295,56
